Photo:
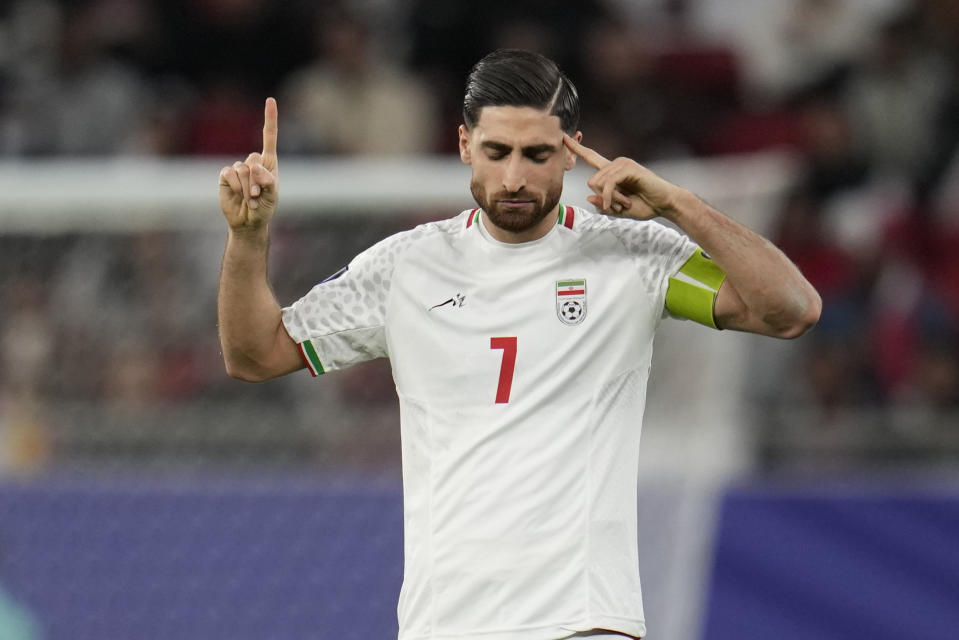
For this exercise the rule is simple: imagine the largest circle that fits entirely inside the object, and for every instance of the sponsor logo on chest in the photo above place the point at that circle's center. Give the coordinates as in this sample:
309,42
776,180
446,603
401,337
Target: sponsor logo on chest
571,301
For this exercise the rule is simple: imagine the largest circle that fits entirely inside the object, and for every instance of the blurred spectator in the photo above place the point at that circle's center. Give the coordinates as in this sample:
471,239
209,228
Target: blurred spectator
803,237
163,131
943,266
788,45
624,108
29,70
225,119
101,98
936,380
444,39
700,79
26,346
75,93
895,97
131,379
136,303
26,354
834,375
254,43
832,163
215,62
352,101
448,37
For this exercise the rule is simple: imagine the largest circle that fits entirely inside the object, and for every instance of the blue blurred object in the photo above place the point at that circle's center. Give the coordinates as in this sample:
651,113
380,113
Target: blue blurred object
841,564
205,558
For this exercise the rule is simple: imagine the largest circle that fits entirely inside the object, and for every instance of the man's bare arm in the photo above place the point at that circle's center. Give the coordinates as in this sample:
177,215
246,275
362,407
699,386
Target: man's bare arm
763,292
255,343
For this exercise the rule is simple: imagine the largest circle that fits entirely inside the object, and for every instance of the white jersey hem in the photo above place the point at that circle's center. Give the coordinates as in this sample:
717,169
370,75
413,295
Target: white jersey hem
629,626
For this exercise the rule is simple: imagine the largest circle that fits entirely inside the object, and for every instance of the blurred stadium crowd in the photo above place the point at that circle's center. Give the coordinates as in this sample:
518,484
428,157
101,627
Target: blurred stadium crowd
864,93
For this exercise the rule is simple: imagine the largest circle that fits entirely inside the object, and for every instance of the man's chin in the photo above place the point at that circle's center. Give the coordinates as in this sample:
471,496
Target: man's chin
515,220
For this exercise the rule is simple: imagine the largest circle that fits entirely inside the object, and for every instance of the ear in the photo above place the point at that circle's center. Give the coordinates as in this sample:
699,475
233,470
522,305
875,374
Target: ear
570,156
464,135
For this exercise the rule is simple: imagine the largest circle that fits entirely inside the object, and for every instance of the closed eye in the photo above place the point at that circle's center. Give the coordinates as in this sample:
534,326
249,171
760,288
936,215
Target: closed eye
539,153
496,150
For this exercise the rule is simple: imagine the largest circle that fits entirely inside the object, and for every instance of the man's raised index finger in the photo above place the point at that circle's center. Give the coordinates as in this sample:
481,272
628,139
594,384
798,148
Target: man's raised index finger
592,158
269,127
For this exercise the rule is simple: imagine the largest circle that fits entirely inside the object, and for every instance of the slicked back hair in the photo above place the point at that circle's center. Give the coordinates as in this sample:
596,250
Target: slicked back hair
518,78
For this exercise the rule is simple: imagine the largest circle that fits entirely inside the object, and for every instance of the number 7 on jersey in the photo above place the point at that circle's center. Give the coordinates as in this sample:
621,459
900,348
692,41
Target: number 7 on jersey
508,345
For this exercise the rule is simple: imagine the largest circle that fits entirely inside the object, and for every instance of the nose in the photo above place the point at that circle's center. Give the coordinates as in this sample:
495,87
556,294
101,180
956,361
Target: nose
514,178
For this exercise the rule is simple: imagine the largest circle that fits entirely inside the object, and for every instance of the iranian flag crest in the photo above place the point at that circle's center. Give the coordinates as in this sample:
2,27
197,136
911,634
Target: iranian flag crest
571,301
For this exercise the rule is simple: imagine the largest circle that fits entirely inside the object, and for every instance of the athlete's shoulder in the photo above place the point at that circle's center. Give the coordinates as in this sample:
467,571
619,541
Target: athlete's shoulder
635,236
449,226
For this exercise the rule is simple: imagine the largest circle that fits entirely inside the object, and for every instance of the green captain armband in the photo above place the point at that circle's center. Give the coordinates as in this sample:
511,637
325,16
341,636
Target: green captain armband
692,291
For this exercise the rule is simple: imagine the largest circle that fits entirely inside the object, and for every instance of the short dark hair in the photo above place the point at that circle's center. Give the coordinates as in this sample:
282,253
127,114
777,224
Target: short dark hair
518,78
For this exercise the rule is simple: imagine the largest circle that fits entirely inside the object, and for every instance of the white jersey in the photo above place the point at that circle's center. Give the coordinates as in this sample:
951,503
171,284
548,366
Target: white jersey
521,371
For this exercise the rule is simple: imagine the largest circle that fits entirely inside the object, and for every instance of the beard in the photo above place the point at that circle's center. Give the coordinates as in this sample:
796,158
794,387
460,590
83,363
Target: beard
516,221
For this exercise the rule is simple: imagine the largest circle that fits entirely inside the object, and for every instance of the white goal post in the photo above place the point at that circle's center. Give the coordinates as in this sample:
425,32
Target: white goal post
135,193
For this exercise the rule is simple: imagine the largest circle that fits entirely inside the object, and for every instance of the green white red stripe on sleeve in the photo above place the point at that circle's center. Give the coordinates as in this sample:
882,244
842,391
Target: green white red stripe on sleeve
311,358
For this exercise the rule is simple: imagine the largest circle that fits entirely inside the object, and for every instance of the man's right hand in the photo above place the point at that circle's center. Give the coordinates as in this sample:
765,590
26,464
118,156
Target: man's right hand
249,190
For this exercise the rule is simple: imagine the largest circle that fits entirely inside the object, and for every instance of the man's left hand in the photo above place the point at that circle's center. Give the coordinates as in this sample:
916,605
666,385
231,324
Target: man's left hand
623,187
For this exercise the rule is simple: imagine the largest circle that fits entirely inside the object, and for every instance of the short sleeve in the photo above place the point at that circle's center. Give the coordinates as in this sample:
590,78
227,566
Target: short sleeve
676,271
341,321
657,251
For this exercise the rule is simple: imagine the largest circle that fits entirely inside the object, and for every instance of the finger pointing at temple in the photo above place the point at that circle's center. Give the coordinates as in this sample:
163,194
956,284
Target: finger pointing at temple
592,158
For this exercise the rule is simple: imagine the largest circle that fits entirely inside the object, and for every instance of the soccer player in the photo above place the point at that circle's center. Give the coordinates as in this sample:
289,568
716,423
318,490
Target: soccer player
520,336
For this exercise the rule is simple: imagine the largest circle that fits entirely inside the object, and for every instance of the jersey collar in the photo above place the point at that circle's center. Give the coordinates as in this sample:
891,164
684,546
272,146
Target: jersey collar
566,217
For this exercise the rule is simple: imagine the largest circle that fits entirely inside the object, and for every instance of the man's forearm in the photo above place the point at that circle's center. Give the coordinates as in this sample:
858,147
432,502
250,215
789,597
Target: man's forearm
770,286
248,312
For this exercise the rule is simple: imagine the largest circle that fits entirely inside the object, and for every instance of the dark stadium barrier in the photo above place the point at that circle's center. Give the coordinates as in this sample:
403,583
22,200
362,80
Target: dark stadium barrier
841,563
204,558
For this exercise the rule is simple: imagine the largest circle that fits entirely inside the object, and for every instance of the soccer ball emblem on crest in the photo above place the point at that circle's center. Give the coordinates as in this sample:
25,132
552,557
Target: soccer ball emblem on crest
571,301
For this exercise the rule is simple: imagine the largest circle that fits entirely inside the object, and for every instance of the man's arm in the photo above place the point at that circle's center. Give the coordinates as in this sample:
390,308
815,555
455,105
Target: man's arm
763,292
255,343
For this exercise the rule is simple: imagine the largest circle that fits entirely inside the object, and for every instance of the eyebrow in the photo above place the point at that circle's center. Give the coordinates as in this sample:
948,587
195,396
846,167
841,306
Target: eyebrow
531,150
